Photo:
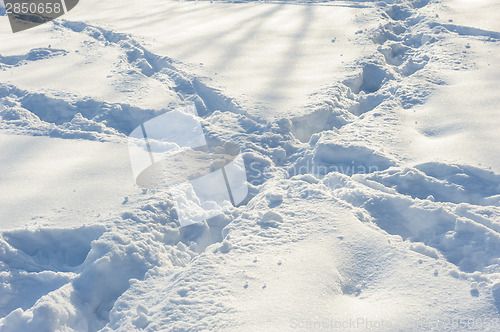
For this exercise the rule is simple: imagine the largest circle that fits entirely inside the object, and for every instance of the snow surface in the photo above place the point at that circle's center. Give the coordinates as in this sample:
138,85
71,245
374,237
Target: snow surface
368,131
59,180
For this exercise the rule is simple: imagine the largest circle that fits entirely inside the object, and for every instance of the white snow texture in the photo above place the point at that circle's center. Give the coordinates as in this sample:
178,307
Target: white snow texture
369,136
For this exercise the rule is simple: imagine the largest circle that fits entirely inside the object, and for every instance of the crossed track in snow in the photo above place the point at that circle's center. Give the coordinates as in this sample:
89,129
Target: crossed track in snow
404,52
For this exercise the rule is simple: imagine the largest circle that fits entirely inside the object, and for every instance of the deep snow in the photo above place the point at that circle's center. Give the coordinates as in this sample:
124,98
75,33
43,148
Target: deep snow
368,131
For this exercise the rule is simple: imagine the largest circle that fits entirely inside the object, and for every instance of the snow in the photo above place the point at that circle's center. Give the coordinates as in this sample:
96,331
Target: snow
231,41
446,130
474,14
366,130
64,182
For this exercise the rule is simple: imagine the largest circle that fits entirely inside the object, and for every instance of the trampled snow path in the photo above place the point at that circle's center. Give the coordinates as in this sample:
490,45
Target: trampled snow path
349,218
